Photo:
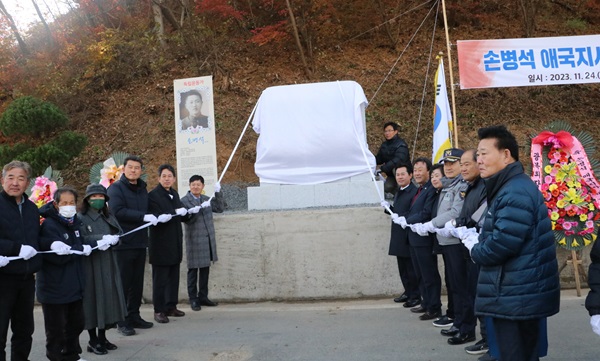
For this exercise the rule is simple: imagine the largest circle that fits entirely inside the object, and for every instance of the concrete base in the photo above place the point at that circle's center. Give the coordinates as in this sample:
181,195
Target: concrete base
349,191
307,254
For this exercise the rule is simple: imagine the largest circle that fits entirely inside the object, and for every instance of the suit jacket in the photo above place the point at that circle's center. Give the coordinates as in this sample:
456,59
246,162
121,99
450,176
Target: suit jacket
420,212
399,238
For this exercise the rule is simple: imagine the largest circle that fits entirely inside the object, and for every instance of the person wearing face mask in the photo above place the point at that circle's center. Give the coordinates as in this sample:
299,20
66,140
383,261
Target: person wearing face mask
61,281
103,297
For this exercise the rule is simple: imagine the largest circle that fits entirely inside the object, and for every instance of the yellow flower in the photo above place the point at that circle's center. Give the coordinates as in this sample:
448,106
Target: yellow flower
594,236
583,217
577,185
586,241
554,216
560,203
553,225
574,243
548,169
591,207
563,242
552,187
571,184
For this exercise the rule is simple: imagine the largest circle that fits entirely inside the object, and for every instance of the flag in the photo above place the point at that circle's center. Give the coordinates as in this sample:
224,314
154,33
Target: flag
442,116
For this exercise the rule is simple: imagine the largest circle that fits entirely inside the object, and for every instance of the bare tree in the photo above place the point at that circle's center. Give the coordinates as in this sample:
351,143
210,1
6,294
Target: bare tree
297,37
48,32
160,24
13,27
528,11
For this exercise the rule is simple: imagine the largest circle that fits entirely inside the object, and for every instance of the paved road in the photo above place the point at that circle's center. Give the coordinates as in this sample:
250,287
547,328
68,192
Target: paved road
361,330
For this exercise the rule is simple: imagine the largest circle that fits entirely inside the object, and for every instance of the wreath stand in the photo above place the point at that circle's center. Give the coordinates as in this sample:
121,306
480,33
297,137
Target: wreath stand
576,262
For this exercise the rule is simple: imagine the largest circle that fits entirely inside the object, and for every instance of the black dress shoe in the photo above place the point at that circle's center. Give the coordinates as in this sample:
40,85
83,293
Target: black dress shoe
418,309
108,345
126,330
462,338
160,317
139,323
98,349
429,316
452,331
411,303
208,303
401,299
195,305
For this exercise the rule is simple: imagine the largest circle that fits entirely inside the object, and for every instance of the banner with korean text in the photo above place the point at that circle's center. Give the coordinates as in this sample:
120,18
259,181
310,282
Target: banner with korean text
529,62
195,132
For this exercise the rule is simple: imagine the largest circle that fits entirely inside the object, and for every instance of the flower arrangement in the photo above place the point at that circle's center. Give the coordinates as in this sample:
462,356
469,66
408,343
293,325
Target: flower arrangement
566,179
109,171
42,191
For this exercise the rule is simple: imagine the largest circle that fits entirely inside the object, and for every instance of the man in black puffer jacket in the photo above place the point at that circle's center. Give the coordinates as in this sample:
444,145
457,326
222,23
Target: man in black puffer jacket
518,281
392,153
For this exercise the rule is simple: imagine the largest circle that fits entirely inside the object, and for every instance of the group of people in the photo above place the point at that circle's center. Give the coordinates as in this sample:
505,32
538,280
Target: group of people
488,220
87,267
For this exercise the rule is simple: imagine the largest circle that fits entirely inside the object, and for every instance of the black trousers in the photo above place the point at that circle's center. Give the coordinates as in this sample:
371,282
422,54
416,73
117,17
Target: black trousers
165,287
473,277
409,279
430,283
16,309
197,283
131,264
456,264
63,323
517,340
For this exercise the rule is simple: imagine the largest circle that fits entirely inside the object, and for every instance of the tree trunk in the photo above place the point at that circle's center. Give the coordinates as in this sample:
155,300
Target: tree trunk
528,10
297,37
48,32
160,25
13,27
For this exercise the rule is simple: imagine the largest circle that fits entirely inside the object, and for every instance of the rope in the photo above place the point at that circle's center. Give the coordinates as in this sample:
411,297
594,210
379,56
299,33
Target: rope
425,83
402,53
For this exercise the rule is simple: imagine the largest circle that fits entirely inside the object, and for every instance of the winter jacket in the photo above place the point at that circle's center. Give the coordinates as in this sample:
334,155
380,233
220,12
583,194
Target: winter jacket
129,203
200,239
61,279
475,197
166,239
592,302
391,154
16,229
516,251
399,237
450,203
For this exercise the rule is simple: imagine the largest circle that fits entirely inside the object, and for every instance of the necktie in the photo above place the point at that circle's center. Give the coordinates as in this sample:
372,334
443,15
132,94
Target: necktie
416,195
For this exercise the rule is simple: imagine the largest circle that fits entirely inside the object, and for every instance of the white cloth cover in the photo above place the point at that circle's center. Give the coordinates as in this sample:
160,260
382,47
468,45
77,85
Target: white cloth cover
308,133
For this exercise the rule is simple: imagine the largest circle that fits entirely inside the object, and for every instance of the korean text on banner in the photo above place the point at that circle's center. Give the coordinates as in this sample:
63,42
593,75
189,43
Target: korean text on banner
195,132
442,116
529,62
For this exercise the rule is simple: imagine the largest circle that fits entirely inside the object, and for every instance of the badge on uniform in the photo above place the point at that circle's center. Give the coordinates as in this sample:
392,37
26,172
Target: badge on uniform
66,235
76,233
89,228
463,194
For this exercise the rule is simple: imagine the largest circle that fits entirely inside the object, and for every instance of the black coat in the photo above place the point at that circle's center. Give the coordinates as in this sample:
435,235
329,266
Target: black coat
61,279
474,198
166,239
16,229
420,212
391,154
129,203
592,302
399,238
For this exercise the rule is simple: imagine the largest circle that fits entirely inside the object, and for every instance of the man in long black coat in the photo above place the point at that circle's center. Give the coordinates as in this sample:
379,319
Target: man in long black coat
166,245
392,153
399,246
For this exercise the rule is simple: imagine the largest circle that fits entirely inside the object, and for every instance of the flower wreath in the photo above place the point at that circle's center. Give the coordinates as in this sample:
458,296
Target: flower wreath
565,176
109,171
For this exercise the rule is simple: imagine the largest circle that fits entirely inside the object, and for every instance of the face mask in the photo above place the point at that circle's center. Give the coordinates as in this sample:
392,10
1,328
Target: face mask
67,211
96,203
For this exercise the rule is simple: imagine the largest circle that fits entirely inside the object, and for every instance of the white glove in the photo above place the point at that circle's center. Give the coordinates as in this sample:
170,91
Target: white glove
217,187
3,261
103,244
205,204
194,210
421,230
595,322
181,211
429,227
471,241
27,252
467,232
164,218
60,248
111,239
385,204
449,225
415,226
394,217
402,222
87,249
444,232
151,218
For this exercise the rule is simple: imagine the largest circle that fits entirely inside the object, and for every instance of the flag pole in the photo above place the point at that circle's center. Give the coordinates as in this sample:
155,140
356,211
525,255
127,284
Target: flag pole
454,122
